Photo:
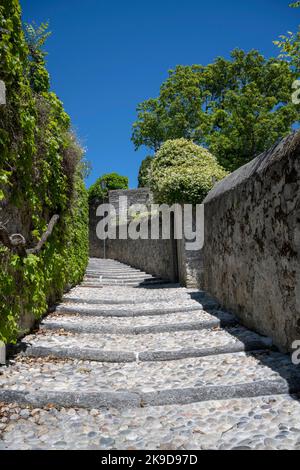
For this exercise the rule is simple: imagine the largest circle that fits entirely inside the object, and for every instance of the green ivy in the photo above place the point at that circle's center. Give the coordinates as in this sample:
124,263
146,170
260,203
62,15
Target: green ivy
41,174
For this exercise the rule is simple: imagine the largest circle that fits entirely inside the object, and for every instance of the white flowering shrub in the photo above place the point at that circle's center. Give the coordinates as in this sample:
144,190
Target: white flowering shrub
183,172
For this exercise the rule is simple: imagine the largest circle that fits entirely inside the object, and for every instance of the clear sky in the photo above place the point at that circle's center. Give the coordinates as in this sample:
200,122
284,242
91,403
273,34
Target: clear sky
107,56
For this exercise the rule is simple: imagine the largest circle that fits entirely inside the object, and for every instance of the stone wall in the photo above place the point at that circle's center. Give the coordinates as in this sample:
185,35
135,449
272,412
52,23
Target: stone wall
190,266
190,263
157,257
252,242
134,196
96,245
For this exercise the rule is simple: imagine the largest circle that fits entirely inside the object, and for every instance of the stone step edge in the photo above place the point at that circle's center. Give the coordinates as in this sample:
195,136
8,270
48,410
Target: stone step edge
81,300
99,355
107,269
131,399
139,330
148,286
106,273
128,313
120,276
125,282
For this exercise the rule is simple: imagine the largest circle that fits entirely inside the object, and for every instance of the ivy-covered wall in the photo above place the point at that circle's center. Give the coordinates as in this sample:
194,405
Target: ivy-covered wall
41,175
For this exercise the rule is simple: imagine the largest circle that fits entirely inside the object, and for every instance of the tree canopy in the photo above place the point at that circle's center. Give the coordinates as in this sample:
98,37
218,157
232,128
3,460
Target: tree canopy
144,176
236,108
112,181
290,46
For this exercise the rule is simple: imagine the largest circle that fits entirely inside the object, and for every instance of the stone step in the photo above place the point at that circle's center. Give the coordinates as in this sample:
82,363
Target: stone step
114,265
122,302
150,347
141,310
261,423
111,282
129,278
120,400
131,296
114,270
115,273
136,354
30,375
125,277
197,320
149,287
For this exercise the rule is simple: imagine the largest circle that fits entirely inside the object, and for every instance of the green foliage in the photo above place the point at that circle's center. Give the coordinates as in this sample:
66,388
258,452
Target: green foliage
144,177
183,172
112,181
290,47
41,174
237,108
36,36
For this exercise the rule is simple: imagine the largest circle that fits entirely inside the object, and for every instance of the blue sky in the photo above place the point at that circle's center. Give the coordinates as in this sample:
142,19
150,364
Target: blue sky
107,56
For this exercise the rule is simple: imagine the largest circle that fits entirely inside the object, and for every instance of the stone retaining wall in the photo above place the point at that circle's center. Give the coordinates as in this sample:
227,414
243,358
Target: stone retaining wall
252,242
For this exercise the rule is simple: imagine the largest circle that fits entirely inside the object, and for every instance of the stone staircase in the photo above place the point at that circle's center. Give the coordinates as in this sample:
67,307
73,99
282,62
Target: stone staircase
114,273
129,361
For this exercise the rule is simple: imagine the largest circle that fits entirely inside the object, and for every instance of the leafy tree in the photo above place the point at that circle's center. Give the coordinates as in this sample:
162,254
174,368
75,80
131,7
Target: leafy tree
183,172
36,37
290,46
145,172
112,181
236,108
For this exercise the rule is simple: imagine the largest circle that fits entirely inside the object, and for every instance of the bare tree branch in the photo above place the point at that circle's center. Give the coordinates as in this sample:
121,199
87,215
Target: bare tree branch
46,235
17,242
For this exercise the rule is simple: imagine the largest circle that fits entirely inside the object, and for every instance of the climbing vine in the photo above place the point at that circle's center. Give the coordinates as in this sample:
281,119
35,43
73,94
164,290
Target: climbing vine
41,174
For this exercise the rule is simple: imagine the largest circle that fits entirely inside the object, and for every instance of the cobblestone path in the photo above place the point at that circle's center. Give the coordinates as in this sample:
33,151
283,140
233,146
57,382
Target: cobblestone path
130,362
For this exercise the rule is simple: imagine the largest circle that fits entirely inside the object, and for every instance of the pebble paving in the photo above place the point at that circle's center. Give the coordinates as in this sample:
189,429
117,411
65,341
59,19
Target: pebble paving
36,374
151,342
209,356
92,323
265,423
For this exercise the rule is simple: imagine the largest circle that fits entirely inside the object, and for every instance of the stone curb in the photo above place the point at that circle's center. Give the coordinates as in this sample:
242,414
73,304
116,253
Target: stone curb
127,313
78,300
115,400
131,277
82,354
120,283
123,302
147,356
148,286
220,392
131,399
147,329
150,356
